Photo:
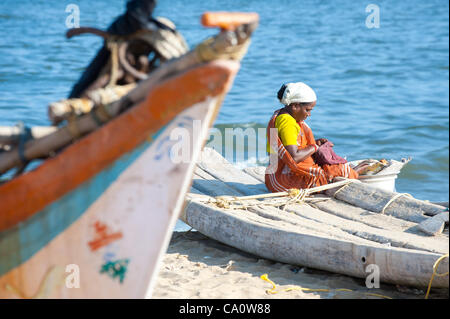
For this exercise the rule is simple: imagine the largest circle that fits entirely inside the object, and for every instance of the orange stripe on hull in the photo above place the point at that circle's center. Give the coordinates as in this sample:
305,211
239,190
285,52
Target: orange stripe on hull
31,192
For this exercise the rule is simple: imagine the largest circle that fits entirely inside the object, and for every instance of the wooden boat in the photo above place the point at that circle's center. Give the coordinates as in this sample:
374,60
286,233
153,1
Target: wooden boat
346,230
94,220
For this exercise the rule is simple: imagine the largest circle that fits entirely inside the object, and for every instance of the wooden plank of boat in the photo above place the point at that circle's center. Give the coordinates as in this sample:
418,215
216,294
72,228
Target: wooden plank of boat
103,207
382,233
345,210
379,201
374,200
434,225
311,247
11,134
443,204
217,166
374,234
282,220
276,217
256,172
403,216
339,223
207,184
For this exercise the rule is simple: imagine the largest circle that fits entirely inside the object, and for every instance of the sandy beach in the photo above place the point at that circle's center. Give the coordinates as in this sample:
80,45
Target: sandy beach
198,267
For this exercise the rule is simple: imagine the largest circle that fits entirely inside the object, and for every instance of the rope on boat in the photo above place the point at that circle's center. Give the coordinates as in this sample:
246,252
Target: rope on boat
229,202
296,196
279,199
340,189
435,273
393,199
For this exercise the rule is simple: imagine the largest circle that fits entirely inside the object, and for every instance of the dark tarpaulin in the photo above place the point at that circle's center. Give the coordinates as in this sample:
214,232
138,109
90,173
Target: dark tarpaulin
138,16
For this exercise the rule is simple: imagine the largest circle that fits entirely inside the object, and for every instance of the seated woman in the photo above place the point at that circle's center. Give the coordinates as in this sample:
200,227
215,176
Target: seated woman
291,144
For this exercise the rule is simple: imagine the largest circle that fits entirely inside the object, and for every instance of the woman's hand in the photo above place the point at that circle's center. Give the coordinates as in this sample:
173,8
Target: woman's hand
322,141
300,154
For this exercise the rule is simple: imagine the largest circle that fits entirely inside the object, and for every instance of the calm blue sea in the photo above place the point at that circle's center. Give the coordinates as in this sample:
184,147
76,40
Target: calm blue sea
382,92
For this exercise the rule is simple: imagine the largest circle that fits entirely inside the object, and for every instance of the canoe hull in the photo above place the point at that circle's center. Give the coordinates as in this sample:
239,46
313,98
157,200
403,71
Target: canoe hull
412,267
353,238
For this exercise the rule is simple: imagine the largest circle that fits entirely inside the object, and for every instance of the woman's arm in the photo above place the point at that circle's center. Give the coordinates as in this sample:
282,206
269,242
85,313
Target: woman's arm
300,154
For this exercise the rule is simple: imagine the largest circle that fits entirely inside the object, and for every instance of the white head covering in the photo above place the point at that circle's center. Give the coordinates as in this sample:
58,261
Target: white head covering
298,92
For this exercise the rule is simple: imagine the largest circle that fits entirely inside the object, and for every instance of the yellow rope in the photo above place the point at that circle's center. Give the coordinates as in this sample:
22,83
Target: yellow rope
293,192
296,196
435,267
377,295
273,290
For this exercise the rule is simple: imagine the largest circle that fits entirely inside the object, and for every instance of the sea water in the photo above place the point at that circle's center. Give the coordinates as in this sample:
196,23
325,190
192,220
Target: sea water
380,70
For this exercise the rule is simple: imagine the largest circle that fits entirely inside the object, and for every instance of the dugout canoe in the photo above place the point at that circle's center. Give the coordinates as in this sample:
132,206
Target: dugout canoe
343,234
94,220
